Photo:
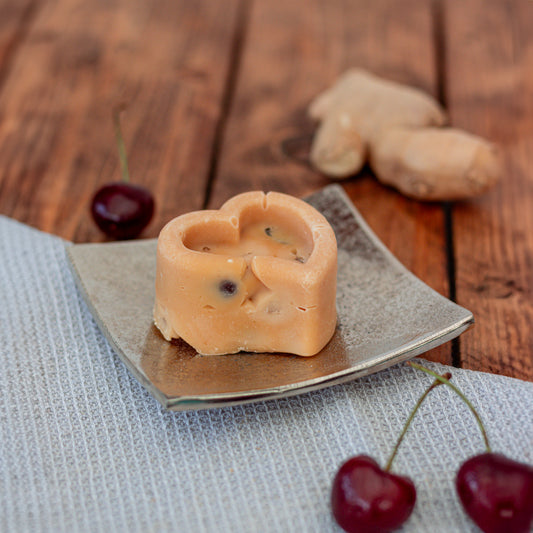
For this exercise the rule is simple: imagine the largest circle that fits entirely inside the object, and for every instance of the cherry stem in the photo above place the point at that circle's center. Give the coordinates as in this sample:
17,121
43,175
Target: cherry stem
121,146
461,395
436,383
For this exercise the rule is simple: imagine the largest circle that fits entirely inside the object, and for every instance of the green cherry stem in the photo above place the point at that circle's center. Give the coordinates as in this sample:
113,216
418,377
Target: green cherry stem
121,146
461,395
412,414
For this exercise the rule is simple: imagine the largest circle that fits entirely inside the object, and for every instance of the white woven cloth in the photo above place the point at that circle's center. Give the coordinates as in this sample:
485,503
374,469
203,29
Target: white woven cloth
83,447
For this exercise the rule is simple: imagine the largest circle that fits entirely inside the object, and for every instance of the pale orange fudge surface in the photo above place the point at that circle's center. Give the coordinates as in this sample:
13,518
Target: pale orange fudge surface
257,275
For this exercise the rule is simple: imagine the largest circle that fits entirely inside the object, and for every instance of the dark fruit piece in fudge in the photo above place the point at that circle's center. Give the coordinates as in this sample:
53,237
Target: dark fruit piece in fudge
227,287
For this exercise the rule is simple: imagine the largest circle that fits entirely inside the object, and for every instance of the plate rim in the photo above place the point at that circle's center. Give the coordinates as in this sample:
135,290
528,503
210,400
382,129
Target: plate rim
384,360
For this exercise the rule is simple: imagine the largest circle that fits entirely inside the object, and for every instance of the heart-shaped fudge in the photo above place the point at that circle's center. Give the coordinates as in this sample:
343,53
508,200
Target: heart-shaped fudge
257,275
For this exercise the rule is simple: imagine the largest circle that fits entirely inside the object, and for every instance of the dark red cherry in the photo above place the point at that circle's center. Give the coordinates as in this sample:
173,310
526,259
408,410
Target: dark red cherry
367,499
497,493
122,210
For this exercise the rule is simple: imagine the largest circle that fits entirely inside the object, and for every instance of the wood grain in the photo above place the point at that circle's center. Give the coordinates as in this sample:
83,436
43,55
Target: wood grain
294,50
167,60
217,95
15,19
489,87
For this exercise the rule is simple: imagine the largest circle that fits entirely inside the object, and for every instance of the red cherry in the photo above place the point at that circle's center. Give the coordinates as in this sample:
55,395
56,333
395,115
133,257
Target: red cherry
122,210
367,499
497,493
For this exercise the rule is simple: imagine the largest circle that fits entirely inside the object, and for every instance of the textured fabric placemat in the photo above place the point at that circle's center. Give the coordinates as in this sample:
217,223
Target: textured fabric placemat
83,447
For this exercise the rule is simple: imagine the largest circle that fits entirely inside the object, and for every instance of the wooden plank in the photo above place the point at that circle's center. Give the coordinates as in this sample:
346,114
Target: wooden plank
490,83
294,50
15,18
167,60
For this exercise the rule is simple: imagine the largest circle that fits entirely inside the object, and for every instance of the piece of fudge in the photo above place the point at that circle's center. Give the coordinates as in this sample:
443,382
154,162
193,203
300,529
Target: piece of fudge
257,275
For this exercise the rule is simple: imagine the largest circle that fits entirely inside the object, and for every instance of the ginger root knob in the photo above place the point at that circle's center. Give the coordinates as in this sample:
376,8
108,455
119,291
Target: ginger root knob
398,129
435,163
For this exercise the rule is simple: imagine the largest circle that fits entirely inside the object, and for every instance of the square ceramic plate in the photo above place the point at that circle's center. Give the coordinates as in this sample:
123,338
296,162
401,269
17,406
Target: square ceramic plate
385,315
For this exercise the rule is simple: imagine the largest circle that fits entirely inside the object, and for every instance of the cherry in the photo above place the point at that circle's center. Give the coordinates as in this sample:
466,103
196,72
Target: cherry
497,493
367,499
122,210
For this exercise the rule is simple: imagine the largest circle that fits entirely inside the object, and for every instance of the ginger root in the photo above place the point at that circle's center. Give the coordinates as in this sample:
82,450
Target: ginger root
398,130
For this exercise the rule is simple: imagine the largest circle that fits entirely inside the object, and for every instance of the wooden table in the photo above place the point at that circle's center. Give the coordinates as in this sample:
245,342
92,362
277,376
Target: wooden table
216,94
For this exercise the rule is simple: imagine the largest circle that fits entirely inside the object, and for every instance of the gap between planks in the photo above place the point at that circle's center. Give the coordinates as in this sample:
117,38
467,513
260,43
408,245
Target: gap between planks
439,46
234,70
236,53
